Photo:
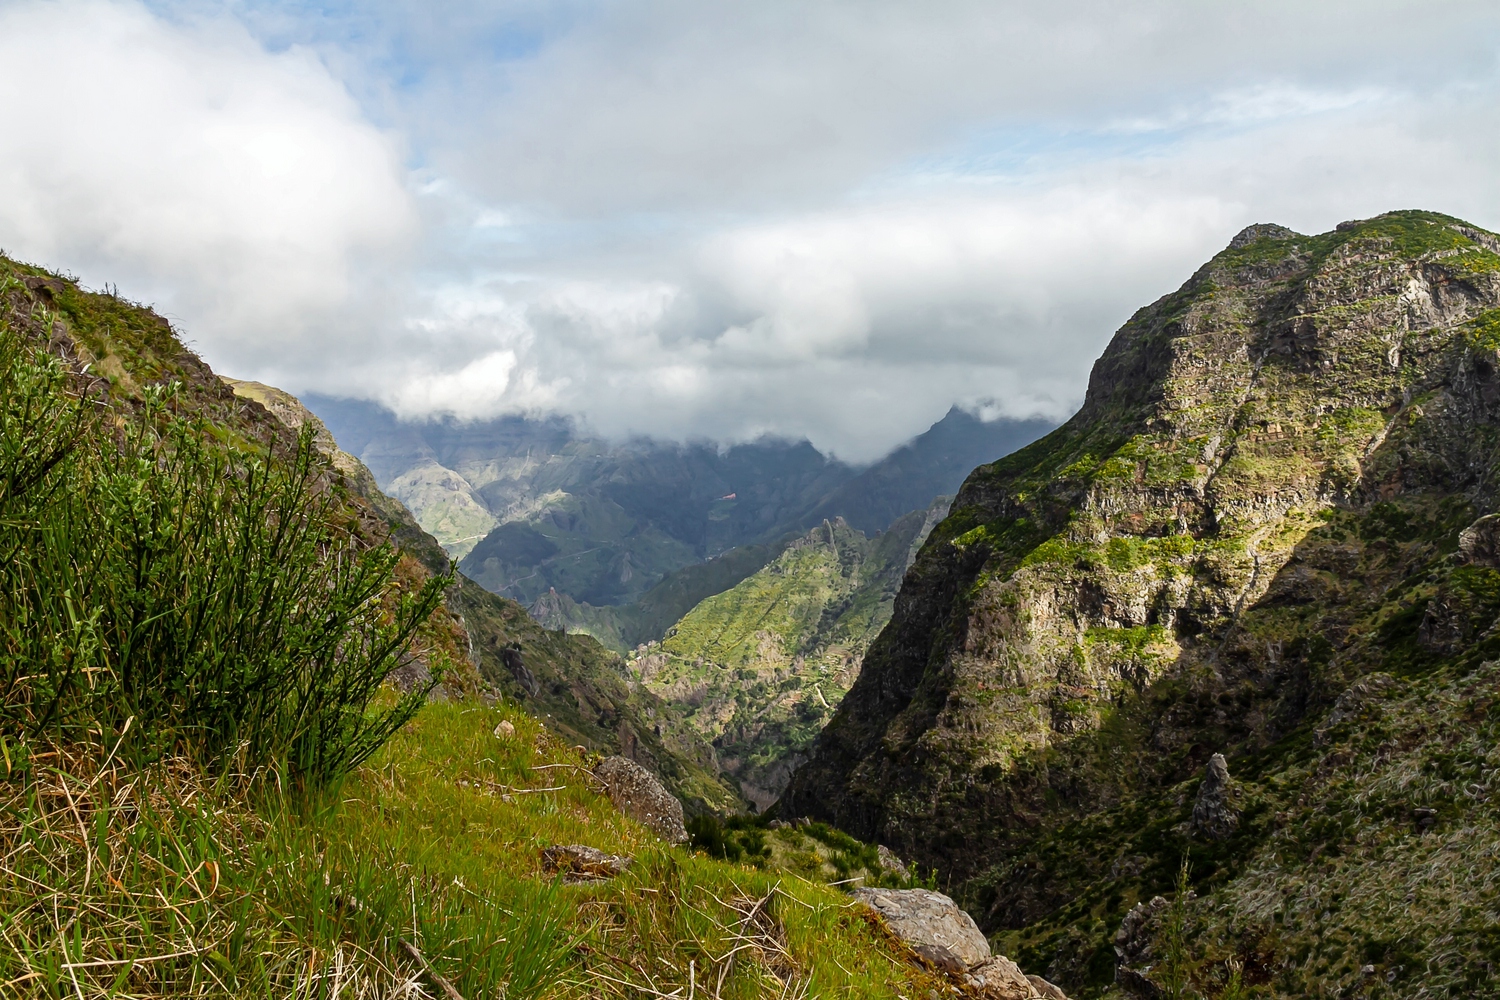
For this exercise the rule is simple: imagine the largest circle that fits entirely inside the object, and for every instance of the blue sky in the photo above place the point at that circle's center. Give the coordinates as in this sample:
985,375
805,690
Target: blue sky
708,220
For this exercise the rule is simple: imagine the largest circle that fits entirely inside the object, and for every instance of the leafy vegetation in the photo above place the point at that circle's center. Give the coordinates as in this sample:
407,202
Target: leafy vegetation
150,573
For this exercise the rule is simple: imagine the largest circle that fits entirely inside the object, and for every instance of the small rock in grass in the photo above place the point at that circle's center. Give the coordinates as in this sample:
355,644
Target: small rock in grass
637,793
505,730
579,863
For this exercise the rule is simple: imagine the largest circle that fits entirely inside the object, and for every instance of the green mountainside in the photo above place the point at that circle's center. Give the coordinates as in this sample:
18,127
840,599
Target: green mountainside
758,668
1267,534
531,506
624,627
220,775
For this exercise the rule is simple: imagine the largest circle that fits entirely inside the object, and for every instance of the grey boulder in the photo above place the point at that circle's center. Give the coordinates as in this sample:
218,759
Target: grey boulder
930,924
637,793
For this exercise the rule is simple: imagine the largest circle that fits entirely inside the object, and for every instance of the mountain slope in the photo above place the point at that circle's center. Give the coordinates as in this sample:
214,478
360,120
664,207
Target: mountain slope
935,463
1261,507
598,521
156,853
759,668
530,506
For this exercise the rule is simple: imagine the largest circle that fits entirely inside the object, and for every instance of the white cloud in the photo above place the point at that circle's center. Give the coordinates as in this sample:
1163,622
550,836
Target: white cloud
181,161
689,219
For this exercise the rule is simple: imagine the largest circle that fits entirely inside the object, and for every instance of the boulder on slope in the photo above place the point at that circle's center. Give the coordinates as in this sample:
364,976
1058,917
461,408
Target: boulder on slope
637,793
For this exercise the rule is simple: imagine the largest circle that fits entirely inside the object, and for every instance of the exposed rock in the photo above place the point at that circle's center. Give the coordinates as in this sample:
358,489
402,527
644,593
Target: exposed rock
505,730
1213,817
1479,543
1259,231
511,656
1049,990
931,924
889,862
579,863
1355,700
999,978
1133,947
637,793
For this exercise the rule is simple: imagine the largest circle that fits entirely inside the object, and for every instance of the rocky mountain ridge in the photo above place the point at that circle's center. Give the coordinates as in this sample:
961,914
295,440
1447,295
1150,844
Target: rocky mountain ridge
533,505
1262,536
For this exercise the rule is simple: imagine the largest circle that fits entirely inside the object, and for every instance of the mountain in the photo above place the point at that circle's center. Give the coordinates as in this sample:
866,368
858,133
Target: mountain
532,506
207,771
1268,534
623,627
935,463
759,668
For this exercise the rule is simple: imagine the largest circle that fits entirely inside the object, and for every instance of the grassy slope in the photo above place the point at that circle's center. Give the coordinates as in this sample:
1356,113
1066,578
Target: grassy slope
761,666
584,693
436,840
127,879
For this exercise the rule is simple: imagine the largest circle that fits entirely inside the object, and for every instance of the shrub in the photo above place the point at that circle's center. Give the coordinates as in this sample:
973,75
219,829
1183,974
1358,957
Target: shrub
216,595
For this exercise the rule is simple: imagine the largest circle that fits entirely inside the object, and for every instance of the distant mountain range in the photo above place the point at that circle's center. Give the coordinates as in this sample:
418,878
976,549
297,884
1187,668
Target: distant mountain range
534,507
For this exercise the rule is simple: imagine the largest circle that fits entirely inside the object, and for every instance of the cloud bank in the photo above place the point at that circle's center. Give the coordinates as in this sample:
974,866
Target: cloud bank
688,220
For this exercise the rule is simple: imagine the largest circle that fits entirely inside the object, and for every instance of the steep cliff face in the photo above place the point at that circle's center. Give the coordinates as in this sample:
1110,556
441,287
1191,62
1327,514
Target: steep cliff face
1260,502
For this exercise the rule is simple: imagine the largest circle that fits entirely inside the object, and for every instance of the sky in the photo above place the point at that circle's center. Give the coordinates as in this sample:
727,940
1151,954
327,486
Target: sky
706,220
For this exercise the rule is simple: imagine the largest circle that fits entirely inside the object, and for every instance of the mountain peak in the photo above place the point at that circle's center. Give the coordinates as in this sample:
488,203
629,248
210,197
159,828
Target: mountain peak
1254,509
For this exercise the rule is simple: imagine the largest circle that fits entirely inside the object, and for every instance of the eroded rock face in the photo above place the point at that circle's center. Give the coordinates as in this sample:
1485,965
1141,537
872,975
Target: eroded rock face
1280,483
1134,954
999,978
1213,816
931,924
889,861
637,793
1292,382
1479,543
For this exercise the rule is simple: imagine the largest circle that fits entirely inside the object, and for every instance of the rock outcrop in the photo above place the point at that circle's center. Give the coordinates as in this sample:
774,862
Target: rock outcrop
1213,816
1280,481
637,793
580,863
944,936
931,924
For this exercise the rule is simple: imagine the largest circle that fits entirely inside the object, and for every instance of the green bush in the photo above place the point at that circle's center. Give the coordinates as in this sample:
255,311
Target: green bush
735,838
211,598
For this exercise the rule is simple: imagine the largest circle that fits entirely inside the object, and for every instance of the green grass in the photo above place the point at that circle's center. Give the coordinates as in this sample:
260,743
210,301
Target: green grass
143,883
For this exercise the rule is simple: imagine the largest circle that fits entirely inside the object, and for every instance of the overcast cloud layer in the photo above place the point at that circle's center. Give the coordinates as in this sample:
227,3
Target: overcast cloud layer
709,220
